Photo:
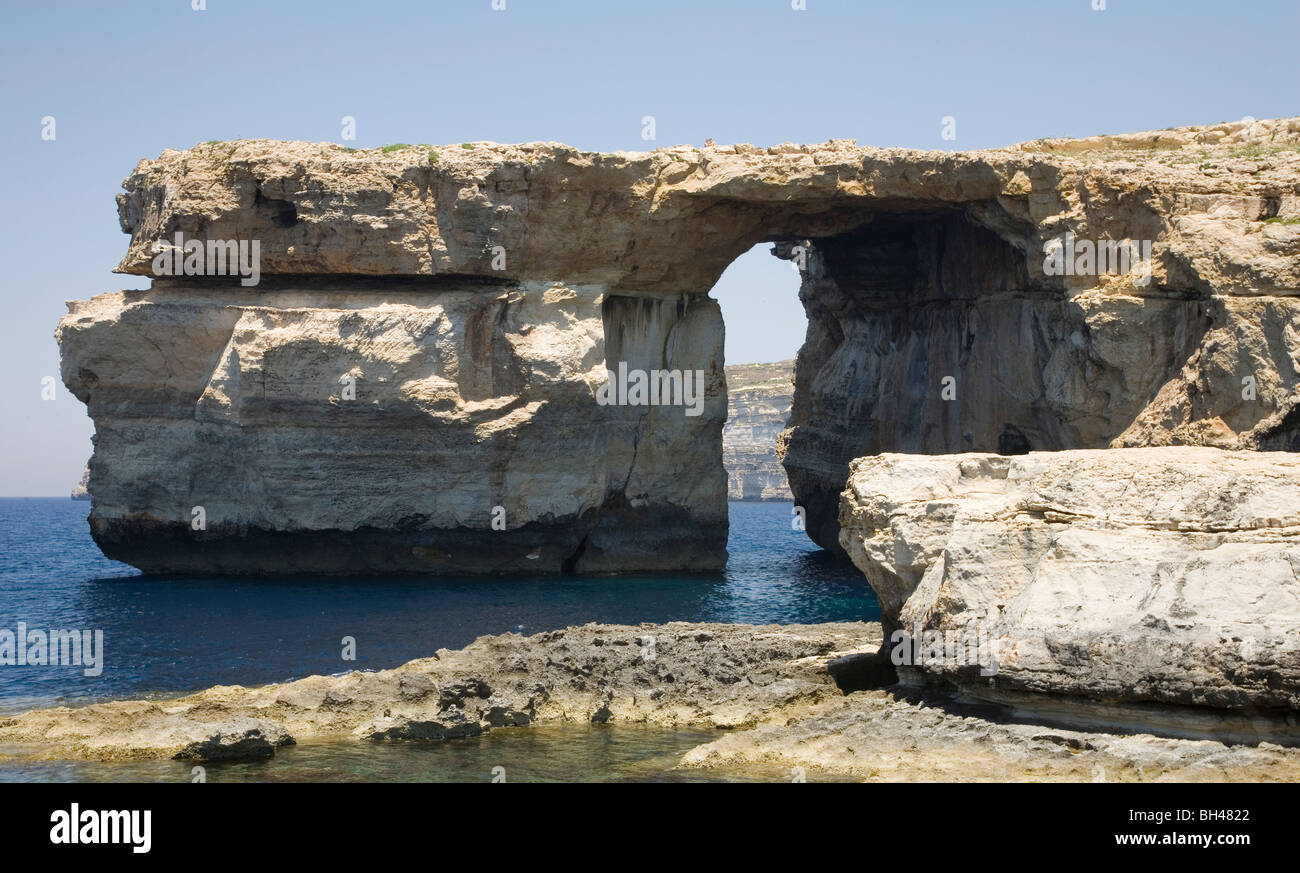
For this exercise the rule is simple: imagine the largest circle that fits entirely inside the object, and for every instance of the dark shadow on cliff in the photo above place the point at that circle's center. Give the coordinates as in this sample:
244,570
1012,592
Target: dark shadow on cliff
929,331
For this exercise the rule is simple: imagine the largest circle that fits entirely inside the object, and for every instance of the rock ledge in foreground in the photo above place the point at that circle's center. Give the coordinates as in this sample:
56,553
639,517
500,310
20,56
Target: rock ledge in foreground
1120,576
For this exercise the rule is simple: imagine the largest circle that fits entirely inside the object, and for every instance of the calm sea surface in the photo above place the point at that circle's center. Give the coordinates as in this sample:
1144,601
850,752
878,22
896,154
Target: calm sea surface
171,635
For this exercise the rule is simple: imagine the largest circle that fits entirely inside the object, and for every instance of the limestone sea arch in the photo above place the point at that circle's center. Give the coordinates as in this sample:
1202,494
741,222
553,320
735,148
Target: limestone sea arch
422,352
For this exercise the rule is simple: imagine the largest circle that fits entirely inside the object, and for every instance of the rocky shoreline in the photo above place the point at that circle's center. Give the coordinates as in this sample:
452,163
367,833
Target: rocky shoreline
420,381
670,675
767,689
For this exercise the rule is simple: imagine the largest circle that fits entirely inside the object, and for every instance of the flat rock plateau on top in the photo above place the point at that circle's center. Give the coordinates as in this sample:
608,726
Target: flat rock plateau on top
671,220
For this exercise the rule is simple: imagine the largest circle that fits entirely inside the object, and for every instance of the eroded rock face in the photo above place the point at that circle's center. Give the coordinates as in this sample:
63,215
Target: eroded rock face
479,294
330,430
672,675
241,739
758,406
1123,576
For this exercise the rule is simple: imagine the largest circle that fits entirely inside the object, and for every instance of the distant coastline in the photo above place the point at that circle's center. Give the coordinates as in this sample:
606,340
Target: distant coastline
758,406
82,491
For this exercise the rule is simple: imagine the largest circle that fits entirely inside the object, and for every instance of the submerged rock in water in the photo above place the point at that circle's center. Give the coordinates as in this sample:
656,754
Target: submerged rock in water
416,382
240,739
1086,581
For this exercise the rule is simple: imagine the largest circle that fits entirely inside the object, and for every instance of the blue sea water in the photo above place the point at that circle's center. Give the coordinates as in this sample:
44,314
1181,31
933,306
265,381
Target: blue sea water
172,635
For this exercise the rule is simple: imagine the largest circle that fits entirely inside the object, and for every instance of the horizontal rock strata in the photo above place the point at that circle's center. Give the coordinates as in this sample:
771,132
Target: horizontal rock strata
326,429
884,736
758,406
478,293
1111,580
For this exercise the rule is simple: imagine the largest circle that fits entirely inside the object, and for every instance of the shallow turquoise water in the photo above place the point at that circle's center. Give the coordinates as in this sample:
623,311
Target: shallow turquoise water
566,753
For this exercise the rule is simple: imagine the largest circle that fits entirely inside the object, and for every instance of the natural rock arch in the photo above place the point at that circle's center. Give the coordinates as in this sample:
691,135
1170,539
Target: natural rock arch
477,296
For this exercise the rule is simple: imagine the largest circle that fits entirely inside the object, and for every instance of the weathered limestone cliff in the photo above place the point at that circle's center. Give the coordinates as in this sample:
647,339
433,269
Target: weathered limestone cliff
1120,576
351,431
424,352
758,406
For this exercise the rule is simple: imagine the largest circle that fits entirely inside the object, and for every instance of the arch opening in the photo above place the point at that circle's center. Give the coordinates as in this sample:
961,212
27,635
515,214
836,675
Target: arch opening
909,317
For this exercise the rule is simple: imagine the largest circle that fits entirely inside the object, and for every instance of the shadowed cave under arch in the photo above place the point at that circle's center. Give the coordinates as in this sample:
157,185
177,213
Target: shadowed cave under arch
928,333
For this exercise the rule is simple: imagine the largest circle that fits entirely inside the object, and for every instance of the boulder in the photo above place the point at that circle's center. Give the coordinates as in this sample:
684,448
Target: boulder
1163,575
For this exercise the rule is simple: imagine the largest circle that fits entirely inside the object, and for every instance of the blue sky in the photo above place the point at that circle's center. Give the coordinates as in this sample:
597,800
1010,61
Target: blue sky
125,80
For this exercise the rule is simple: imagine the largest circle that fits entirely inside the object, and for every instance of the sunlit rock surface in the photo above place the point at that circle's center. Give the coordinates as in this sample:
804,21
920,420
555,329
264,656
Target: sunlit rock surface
764,688
1120,576
324,431
477,293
